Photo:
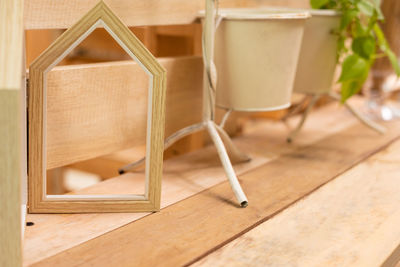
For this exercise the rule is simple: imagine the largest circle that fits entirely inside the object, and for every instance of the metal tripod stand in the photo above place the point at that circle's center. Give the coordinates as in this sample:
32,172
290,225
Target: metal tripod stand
314,98
220,138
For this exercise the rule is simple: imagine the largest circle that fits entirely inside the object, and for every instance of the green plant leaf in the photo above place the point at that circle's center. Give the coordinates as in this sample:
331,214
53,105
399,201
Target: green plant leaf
394,61
359,29
384,46
349,88
377,2
379,12
341,46
354,67
317,4
366,7
359,23
364,46
347,17
377,6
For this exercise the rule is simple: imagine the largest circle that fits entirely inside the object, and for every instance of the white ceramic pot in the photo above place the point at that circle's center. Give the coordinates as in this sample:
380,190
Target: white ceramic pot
256,54
318,58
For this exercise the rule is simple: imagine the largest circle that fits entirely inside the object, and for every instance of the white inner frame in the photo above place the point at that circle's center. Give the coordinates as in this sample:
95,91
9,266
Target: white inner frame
46,197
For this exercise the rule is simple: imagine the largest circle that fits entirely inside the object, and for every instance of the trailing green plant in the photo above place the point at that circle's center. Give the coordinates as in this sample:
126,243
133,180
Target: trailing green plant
361,41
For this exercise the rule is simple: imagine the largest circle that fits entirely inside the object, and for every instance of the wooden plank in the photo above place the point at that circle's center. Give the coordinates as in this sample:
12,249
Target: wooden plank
11,168
37,41
393,259
351,221
44,14
184,235
110,101
183,177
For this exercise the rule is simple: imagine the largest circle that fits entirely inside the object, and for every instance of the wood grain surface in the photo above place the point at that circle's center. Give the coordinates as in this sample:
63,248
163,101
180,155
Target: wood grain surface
272,187
351,221
112,107
183,177
44,14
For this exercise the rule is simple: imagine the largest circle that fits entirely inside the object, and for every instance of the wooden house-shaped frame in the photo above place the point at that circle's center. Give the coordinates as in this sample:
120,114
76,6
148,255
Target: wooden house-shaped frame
39,201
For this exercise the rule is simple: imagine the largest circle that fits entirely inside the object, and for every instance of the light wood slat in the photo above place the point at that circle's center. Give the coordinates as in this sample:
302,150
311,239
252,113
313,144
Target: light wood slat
183,177
351,221
10,178
11,168
191,228
43,14
89,114
11,44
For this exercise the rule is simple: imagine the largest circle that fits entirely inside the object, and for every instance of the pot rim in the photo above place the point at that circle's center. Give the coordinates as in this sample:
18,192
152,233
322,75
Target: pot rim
259,13
313,12
271,108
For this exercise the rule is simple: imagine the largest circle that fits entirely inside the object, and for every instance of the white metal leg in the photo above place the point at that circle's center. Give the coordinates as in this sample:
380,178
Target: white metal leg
225,118
296,109
226,163
167,143
293,134
373,125
217,135
234,153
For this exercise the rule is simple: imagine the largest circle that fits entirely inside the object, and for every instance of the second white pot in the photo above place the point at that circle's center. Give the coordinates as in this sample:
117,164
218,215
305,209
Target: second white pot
318,58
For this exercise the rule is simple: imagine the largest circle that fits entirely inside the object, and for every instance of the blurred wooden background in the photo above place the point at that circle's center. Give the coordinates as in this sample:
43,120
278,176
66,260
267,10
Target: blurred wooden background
164,41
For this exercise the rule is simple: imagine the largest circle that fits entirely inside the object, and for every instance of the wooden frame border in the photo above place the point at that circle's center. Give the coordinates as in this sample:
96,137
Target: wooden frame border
39,202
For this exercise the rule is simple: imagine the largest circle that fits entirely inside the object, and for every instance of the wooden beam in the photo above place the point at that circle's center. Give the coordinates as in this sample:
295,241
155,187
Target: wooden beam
351,221
11,174
271,187
44,14
97,109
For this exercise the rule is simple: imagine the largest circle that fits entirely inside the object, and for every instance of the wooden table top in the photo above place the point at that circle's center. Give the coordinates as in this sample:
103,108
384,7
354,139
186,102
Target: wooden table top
330,198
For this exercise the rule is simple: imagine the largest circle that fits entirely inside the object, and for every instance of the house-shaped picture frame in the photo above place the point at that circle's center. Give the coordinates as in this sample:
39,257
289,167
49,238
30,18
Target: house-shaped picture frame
38,200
